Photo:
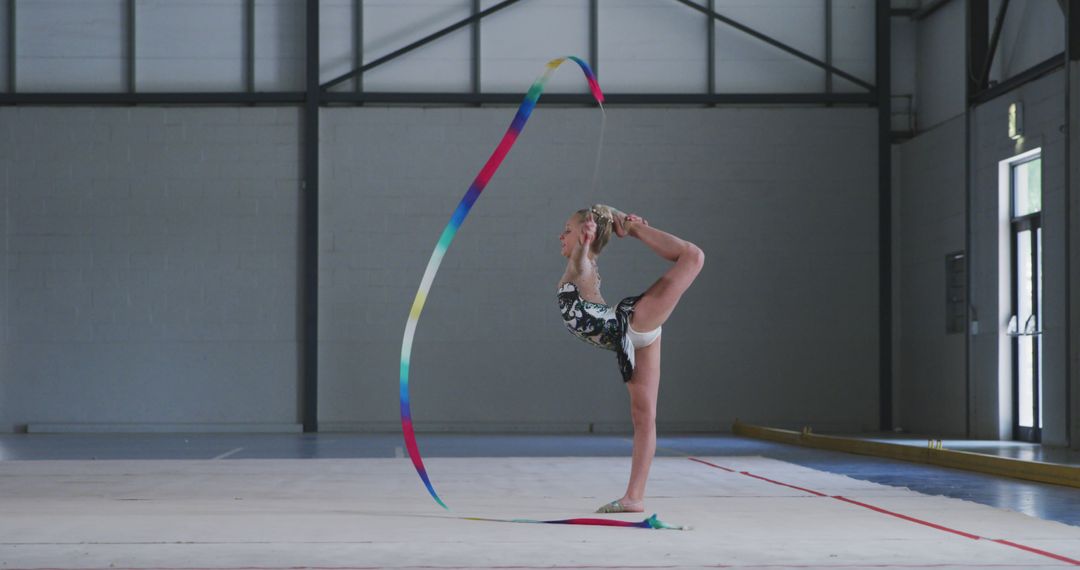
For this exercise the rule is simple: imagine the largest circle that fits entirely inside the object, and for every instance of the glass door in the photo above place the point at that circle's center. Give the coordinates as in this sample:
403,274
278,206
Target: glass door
1025,325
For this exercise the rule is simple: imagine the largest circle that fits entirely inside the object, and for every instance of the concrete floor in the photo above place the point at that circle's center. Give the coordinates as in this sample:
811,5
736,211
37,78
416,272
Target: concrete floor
353,501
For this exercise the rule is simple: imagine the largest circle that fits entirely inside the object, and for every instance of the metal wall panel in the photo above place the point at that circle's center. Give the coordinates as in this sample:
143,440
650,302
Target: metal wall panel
653,47
279,44
1031,33
515,42
189,45
71,45
441,66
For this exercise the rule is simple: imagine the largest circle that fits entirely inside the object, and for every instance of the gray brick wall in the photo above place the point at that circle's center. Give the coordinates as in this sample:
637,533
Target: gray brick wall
7,149
1043,102
780,327
930,388
1073,161
931,391
153,265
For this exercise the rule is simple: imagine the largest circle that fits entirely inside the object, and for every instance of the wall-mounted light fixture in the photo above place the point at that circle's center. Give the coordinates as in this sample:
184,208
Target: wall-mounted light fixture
1016,120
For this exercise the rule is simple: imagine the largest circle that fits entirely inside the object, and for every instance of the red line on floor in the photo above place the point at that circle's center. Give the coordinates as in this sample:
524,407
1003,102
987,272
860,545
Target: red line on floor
812,492
1030,549
711,464
1072,561
907,518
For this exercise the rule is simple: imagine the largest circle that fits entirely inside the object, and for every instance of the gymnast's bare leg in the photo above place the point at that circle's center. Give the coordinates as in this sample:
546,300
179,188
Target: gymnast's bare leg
650,312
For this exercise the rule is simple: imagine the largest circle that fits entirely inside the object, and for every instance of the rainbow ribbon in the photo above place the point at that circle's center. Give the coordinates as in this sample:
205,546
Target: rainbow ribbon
448,233
651,522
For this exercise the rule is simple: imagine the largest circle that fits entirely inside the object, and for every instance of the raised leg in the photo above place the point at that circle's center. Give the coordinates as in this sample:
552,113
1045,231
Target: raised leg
664,244
659,300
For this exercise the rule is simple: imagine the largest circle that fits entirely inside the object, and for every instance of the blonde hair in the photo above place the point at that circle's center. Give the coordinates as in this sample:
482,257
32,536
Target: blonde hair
605,222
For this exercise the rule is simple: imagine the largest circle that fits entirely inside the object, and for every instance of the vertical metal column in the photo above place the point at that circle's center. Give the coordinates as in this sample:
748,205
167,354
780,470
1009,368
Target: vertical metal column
884,87
476,48
11,45
249,46
828,46
977,45
130,59
310,227
594,32
1072,237
976,22
969,259
358,43
711,58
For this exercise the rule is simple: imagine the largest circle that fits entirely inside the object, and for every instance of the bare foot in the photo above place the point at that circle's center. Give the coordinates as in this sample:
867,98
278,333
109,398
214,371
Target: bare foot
627,224
623,505
618,222
623,221
620,227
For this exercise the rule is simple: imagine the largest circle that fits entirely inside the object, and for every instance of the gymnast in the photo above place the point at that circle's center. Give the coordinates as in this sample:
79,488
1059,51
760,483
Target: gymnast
631,328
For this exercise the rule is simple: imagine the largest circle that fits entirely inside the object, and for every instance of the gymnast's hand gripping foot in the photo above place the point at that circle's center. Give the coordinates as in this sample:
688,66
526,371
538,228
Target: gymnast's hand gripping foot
631,327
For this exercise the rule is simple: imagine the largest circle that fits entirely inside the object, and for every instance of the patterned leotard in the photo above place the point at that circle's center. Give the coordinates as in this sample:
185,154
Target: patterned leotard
598,324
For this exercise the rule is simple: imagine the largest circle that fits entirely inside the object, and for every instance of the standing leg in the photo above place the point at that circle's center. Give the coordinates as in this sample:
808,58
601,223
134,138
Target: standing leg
651,311
643,386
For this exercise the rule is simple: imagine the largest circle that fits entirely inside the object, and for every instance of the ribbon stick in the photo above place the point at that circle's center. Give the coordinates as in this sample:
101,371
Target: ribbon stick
448,233
651,522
